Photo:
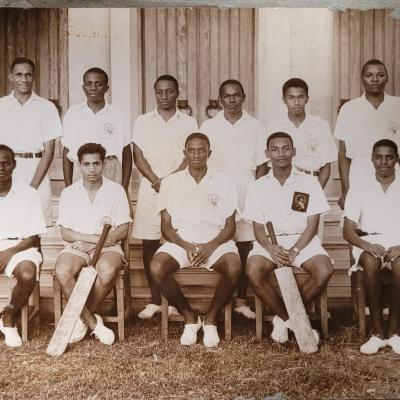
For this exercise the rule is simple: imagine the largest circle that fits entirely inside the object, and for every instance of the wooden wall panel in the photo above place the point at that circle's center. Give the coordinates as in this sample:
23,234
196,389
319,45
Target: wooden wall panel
204,46
358,37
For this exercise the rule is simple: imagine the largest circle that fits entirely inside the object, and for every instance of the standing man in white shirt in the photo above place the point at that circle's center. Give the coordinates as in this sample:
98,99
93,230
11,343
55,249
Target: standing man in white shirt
158,140
362,122
312,137
29,124
85,206
21,221
293,202
238,143
97,121
197,209
374,207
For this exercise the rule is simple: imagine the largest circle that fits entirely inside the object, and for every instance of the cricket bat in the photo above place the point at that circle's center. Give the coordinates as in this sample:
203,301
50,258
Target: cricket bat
294,304
76,302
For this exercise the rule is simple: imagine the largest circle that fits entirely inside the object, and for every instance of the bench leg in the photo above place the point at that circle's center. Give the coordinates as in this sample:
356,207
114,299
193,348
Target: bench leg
120,307
324,313
57,300
361,312
164,318
259,317
127,294
228,321
24,321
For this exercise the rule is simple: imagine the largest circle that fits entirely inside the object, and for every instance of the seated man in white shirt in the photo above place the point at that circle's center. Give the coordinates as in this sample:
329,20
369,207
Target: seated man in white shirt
374,207
198,221
21,221
293,202
85,207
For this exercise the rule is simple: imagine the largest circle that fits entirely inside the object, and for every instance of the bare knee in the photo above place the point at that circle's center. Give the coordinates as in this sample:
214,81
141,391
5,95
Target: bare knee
371,265
25,273
106,272
256,270
322,274
159,270
64,271
232,269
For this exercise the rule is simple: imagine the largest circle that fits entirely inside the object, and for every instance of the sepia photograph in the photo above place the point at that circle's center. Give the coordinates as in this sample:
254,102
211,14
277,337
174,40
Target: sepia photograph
199,200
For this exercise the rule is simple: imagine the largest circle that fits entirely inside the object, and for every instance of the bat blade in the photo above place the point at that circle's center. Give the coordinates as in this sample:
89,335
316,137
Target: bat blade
72,312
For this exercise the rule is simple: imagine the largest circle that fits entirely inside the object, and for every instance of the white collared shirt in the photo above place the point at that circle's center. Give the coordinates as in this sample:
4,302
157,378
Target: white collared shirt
27,127
78,213
235,148
198,210
374,210
360,125
21,214
268,200
82,125
315,146
162,143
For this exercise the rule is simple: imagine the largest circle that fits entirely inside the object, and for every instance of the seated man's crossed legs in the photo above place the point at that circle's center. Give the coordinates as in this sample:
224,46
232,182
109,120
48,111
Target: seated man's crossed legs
171,258
68,266
320,270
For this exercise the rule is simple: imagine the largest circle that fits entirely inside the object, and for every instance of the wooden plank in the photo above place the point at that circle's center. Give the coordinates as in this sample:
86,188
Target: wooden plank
171,41
53,54
367,36
21,33
150,66
336,65
355,53
63,60
379,34
223,45
11,35
344,92
3,63
31,34
43,72
182,51
236,30
389,50
161,42
214,53
191,83
204,64
396,77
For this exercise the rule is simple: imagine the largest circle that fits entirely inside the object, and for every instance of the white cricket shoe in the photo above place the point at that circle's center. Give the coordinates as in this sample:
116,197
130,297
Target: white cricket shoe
394,343
279,332
210,338
373,345
79,332
12,338
246,311
104,334
189,335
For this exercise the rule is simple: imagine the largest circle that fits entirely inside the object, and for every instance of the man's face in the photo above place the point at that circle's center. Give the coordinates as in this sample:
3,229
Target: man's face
92,167
232,98
374,79
280,152
197,153
7,165
166,95
22,78
295,99
384,160
94,86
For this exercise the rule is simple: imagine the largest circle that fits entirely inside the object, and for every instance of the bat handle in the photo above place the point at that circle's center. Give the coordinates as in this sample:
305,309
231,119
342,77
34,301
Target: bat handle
271,232
100,244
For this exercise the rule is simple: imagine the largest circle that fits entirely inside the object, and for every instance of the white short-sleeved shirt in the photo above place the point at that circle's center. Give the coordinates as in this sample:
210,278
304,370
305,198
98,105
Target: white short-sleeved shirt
374,210
78,213
315,146
25,128
268,200
162,143
81,125
21,214
198,210
236,148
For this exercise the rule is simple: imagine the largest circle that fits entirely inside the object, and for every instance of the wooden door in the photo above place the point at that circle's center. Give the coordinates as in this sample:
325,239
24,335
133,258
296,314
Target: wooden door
201,47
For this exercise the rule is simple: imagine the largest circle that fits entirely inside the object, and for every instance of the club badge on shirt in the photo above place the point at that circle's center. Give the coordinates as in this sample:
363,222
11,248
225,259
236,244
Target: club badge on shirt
106,219
212,201
393,127
300,201
311,146
109,131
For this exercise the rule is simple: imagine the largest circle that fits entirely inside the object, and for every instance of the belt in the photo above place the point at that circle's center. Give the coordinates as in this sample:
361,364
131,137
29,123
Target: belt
308,172
29,155
288,234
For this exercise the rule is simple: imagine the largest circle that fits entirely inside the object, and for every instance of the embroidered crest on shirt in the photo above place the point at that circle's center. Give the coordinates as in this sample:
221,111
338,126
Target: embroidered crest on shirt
212,201
106,220
311,146
394,127
109,130
300,201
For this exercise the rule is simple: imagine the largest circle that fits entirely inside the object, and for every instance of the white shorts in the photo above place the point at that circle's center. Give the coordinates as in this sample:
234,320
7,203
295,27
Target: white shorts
385,240
87,256
179,254
147,222
314,248
32,254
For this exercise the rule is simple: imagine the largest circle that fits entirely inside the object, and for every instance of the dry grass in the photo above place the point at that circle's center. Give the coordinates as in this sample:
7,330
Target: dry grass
145,367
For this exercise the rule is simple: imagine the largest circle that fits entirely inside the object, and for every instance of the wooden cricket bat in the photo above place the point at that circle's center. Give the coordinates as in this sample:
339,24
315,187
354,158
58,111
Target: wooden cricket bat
294,304
76,302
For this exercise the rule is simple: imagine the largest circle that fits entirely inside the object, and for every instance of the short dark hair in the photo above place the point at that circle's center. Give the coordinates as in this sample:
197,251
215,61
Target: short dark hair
198,135
385,143
97,70
276,135
167,78
91,148
373,61
230,82
23,60
3,147
294,82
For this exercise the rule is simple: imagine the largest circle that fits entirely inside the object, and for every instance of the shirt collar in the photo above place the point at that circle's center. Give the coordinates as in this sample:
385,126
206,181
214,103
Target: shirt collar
33,97
205,178
221,115
107,107
177,114
293,173
364,97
